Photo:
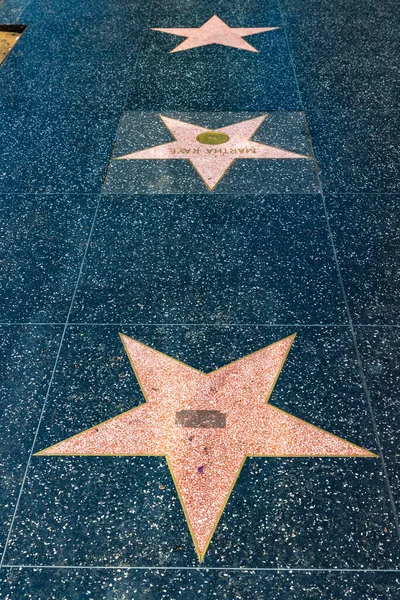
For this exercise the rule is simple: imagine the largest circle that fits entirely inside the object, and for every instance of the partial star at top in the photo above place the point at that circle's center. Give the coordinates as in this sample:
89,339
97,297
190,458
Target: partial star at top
214,31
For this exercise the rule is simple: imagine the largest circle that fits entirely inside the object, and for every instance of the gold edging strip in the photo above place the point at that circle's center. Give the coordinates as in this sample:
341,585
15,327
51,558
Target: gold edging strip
202,554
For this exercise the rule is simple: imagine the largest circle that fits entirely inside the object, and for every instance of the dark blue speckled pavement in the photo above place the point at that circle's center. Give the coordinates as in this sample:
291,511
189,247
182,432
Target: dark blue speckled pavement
117,216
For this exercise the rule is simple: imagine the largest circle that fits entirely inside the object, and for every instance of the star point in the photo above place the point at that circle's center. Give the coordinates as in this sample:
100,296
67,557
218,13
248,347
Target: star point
206,425
213,157
213,31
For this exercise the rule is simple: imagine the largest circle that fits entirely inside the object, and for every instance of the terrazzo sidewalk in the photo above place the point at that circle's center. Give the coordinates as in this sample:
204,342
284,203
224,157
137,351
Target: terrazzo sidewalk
199,315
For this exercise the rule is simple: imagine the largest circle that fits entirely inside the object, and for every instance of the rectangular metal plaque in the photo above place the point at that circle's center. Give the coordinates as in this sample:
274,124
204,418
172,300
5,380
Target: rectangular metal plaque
206,419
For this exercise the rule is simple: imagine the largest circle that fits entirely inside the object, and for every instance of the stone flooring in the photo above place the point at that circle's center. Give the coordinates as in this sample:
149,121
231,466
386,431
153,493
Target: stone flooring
200,301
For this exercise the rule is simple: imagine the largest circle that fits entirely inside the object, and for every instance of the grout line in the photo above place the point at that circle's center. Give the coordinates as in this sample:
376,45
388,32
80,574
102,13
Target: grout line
230,325
134,195
352,328
212,194
205,193
205,324
50,384
11,193
23,9
139,52
363,378
29,324
67,321
19,15
200,568
279,325
360,193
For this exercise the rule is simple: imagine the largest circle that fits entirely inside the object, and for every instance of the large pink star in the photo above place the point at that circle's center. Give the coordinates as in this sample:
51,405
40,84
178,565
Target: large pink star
212,152
214,31
206,425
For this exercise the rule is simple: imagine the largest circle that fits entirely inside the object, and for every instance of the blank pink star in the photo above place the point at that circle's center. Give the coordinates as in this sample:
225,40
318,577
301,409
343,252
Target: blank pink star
206,424
214,31
212,161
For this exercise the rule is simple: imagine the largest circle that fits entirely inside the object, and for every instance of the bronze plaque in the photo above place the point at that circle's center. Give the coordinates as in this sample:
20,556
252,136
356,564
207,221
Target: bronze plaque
212,138
205,419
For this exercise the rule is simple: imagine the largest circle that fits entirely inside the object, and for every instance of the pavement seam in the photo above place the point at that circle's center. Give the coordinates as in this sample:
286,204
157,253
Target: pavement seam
199,568
49,386
66,324
351,325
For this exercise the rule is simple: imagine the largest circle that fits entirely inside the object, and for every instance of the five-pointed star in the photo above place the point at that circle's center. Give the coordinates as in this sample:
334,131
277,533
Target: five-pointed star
212,152
214,31
206,425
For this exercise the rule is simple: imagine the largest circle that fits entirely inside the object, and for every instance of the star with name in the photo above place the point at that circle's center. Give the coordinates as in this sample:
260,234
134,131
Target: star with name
214,31
206,424
212,152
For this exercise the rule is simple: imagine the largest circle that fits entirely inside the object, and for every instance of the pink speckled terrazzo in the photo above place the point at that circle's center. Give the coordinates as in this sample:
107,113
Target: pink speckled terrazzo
231,420
214,31
212,161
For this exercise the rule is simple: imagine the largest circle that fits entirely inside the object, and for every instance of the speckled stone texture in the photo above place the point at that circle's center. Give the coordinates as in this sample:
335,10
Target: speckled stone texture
134,499
367,238
344,63
240,259
27,359
380,350
368,9
193,80
91,247
11,11
62,92
143,130
205,464
42,243
160,584
212,152
356,150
